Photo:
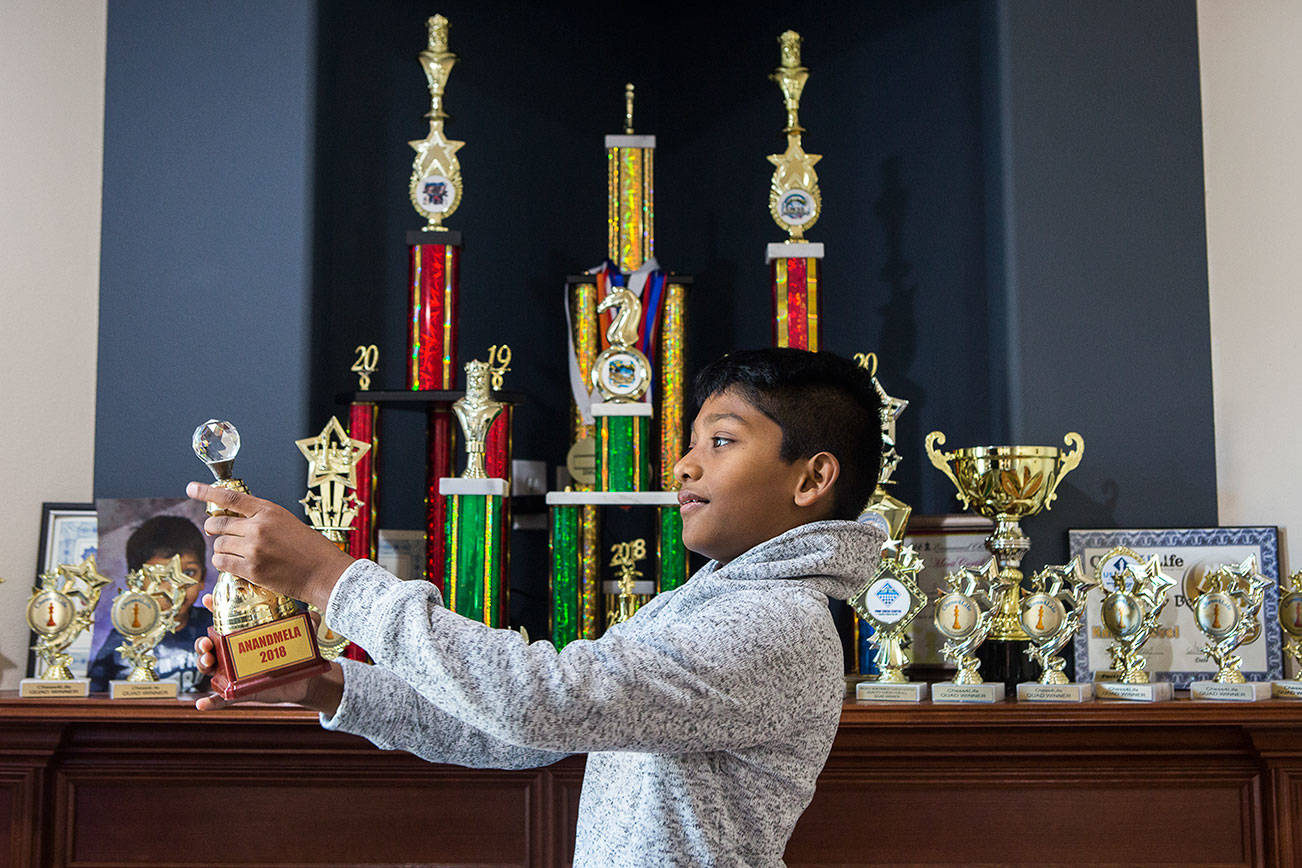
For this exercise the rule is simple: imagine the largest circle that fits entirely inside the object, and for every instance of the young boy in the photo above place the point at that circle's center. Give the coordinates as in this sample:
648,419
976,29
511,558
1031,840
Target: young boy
156,541
707,716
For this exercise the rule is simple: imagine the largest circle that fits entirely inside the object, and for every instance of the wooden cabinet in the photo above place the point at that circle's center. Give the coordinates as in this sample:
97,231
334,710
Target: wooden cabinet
94,782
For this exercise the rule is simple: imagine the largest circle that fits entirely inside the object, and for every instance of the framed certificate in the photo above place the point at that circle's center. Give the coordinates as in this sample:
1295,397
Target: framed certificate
1186,556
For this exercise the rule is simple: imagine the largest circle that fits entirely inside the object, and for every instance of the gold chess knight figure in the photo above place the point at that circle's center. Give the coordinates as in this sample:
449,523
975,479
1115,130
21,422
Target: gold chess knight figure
1130,612
237,602
61,606
1052,614
1226,611
145,611
794,198
476,411
621,374
889,603
965,607
884,509
435,186
1007,483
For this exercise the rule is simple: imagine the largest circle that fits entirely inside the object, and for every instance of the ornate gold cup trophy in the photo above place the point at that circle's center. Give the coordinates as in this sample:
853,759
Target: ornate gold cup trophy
1227,611
331,502
1051,615
888,604
1130,611
61,606
143,613
1290,621
966,607
1007,483
260,638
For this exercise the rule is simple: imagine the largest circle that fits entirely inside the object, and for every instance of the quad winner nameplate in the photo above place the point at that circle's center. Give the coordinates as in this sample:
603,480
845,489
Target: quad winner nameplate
269,647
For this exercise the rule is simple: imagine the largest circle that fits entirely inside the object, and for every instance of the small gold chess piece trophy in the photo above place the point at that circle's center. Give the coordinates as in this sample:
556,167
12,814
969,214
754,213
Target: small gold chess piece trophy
1051,615
1137,595
966,606
61,606
1290,621
1226,611
144,612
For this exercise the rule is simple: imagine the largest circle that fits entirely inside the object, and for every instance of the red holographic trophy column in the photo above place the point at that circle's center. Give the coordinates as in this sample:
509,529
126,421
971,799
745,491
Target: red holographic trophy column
794,269
435,259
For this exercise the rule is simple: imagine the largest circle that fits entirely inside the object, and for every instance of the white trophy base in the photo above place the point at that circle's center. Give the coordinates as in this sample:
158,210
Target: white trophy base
1034,691
877,691
948,691
1156,691
1215,691
77,688
143,689
1286,689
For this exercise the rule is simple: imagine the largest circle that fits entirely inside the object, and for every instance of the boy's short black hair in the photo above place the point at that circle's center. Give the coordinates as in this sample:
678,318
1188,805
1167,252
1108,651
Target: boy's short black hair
821,401
165,535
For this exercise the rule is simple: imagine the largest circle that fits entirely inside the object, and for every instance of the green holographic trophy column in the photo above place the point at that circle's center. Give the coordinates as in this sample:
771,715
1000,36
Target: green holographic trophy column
623,435
672,554
565,547
474,528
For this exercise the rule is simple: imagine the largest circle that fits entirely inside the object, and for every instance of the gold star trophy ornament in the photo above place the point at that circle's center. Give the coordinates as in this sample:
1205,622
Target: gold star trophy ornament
794,200
435,173
61,606
885,510
1136,596
331,502
1226,611
1290,621
966,606
1051,615
149,607
888,604
260,638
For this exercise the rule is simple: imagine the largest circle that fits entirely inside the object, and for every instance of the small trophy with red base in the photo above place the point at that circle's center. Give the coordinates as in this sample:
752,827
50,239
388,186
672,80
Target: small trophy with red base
260,637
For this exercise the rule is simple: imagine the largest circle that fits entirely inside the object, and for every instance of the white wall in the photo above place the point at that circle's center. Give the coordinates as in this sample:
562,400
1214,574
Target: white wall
51,167
1251,69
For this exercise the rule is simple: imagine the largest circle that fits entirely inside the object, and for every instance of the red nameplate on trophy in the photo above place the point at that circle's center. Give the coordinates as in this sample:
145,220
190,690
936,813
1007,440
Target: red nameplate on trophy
267,655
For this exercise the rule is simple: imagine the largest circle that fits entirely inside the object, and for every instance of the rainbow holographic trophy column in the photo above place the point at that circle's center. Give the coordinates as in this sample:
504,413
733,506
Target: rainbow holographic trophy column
475,536
795,205
435,283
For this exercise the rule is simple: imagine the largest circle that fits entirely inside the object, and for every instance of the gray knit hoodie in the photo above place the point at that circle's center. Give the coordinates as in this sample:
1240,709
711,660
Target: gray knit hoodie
707,716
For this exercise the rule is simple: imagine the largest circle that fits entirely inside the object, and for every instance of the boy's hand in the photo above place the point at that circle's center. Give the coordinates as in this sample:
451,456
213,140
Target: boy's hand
270,547
319,693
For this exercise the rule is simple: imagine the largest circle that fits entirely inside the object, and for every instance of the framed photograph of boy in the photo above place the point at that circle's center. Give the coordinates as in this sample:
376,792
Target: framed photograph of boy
945,543
69,535
1186,556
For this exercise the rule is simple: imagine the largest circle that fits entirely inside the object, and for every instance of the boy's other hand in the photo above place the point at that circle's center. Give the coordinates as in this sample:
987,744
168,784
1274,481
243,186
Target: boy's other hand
319,693
270,546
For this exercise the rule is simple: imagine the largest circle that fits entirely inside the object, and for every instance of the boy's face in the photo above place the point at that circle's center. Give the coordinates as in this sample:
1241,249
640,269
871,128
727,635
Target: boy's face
193,567
736,491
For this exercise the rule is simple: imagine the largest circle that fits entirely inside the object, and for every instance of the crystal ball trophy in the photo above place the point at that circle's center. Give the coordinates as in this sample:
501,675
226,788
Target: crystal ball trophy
1051,615
1226,611
142,621
260,638
61,606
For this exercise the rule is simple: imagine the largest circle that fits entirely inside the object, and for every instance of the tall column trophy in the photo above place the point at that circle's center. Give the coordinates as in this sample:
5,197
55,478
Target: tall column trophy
364,425
1290,621
967,606
1137,595
1227,611
260,638
1007,483
61,606
475,532
331,502
888,604
795,204
143,613
1051,615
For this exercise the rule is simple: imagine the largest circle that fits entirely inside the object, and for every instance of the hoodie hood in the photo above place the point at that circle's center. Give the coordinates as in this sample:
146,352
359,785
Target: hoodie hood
836,558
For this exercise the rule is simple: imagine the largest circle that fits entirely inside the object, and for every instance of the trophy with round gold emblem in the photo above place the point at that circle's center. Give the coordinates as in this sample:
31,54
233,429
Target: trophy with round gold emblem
61,606
1136,595
1051,615
966,606
143,613
1290,621
1226,611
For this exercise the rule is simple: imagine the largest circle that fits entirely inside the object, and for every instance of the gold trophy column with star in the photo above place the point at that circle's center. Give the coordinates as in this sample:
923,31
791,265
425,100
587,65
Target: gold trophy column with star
888,604
1051,615
966,607
475,534
1227,611
331,502
61,606
795,205
1290,621
143,613
1136,596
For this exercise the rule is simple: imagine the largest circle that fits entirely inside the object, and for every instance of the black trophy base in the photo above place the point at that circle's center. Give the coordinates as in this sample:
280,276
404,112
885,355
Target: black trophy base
1006,661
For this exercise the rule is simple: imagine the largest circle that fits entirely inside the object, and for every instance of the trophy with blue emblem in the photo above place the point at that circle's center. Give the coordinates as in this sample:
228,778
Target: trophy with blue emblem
888,604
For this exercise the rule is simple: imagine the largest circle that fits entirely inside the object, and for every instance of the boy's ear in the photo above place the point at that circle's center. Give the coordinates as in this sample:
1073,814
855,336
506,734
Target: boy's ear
820,473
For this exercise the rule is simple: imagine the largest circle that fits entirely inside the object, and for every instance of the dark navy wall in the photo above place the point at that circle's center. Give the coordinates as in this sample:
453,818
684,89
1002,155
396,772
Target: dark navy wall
204,302
1105,268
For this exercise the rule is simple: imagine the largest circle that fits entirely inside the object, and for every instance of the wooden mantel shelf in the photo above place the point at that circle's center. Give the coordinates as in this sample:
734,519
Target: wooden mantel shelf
96,782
